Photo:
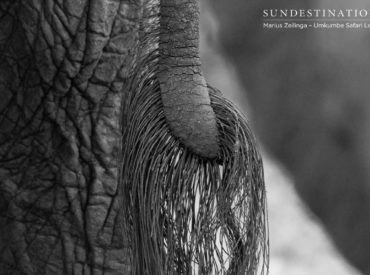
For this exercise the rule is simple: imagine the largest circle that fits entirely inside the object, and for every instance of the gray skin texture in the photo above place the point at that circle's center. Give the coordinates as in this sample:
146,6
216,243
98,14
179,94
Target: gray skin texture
64,69
184,90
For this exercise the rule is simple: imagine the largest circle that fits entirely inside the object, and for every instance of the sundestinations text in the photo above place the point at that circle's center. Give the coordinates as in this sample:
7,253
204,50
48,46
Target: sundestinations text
315,13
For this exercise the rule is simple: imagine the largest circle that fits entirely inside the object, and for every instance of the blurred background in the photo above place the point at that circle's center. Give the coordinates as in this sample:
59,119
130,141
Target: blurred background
306,95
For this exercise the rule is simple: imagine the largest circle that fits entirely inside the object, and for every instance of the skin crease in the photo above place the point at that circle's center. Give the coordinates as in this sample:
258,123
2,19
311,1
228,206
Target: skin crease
64,73
64,69
183,87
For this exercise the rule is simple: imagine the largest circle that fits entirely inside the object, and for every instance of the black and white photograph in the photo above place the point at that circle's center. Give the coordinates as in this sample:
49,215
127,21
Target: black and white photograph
184,137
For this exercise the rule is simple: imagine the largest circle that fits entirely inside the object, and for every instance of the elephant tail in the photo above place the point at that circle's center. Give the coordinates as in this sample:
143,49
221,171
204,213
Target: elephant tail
189,213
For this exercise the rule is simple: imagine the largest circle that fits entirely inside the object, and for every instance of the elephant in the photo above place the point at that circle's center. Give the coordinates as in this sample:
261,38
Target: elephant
117,157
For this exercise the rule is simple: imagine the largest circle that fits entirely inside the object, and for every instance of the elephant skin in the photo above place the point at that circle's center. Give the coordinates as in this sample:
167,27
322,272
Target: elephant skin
64,69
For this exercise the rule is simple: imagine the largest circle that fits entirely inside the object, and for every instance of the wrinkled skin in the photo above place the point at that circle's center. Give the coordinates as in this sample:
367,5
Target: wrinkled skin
64,68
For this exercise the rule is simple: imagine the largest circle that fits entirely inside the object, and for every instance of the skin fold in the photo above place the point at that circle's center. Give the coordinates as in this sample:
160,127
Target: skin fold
111,154
64,68
184,90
